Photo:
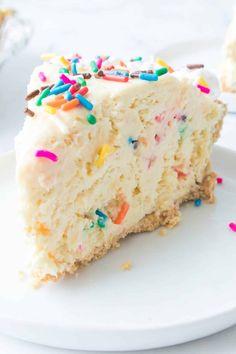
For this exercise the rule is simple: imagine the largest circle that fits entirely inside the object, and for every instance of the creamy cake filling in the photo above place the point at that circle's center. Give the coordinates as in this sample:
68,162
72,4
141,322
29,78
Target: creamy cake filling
124,165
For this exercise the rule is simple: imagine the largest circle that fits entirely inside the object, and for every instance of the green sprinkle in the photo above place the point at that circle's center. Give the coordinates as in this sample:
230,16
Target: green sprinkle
63,70
91,119
94,67
44,94
101,223
137,59
91,226
81,81
182,130
161,71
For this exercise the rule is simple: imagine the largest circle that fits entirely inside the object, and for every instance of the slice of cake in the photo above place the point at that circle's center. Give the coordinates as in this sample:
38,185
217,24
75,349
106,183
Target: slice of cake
228,67
110,148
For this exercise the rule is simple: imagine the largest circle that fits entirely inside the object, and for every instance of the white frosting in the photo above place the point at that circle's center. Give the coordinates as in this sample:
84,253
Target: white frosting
193,76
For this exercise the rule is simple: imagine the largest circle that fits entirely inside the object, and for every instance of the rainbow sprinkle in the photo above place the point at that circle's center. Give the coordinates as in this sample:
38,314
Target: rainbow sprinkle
58,83
118,78
63,70
99,63
197,202
203,89
75,60
91,119
42,76
88,105
232,226
161,71
136,59
50,109
94,67
70,105
47,155
74,68
43,95
148,77
122,213
219,180
60,89
104,151
68,96
81,81
64,61
202,81
101,214
116,72
101,223
66,79
161,62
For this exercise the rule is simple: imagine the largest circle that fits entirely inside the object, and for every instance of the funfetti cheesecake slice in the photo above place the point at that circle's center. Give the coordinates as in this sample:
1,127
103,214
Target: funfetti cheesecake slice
108,148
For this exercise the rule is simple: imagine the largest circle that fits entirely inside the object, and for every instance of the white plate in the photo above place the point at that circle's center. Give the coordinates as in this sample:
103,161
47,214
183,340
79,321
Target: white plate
181,287
205,51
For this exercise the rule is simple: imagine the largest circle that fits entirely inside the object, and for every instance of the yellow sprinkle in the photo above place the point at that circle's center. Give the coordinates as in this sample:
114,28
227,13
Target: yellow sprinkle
126,265
162,62
104,151
64,61
50,110
47,56
202,82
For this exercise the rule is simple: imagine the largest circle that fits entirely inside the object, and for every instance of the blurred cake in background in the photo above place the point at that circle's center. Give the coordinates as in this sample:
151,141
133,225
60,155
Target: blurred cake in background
228,68
4,14
14,33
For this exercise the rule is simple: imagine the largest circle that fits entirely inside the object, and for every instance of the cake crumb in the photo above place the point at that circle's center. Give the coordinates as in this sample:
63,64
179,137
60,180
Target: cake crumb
162,231
126,265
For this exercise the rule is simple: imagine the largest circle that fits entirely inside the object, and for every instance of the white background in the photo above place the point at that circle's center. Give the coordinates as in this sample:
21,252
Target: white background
121,27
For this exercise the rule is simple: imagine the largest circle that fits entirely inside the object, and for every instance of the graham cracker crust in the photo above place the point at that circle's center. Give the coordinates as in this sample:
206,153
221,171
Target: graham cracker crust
167,218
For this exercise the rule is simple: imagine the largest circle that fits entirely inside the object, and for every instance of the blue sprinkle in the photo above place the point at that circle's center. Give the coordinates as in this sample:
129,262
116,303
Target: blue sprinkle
101,214
68,96
84,102
99,56
75,60
130,140
116,72
59,89
197,202
148,77
59,83
73,68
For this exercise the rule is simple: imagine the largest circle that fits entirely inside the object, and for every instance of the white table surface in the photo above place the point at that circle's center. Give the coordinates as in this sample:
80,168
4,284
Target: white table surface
132,27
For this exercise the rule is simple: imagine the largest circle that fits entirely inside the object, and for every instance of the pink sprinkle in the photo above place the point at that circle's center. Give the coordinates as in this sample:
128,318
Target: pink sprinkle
151,161
159,118
157,138
78,56
219,180
81,248
42,76
232,226
110,67
203,89
66,79
46,154
99,63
